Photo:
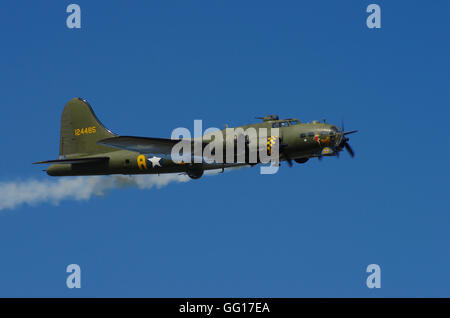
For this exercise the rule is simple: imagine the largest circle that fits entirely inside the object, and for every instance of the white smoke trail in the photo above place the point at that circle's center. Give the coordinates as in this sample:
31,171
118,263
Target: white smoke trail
32,192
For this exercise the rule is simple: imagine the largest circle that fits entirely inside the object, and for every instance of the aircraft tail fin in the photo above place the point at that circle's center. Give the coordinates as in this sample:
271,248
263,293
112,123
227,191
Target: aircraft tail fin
81,129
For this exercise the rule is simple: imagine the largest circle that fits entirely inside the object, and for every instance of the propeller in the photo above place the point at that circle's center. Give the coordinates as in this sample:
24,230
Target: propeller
350,132
288,158
348,148
345,140
346,145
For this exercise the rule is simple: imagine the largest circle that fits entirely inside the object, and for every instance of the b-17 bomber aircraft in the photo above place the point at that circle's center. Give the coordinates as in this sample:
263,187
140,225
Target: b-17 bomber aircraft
89,148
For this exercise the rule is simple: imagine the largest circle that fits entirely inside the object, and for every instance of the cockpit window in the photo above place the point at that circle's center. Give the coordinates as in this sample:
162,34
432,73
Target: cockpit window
311,134
275,125
284,124
335,129
293,122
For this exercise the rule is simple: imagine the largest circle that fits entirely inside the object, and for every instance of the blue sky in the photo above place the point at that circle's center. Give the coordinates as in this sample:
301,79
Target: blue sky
148,67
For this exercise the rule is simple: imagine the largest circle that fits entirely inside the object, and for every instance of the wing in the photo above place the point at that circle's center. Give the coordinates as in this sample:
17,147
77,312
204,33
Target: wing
140,144
152,146
144,145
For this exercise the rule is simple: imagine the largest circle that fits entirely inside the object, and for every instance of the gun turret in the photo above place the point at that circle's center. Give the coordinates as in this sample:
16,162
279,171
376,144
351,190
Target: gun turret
268,117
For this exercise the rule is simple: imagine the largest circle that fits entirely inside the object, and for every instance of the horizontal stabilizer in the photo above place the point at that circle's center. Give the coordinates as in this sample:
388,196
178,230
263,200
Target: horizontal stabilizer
77,160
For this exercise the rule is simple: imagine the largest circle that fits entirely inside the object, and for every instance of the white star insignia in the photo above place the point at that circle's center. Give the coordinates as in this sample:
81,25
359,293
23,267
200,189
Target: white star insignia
155,161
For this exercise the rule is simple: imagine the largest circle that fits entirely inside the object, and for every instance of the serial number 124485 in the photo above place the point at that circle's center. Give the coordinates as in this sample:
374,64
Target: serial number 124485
85,131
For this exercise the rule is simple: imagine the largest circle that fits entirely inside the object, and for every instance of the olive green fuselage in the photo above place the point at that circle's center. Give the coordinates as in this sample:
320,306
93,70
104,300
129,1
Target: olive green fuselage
302,141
